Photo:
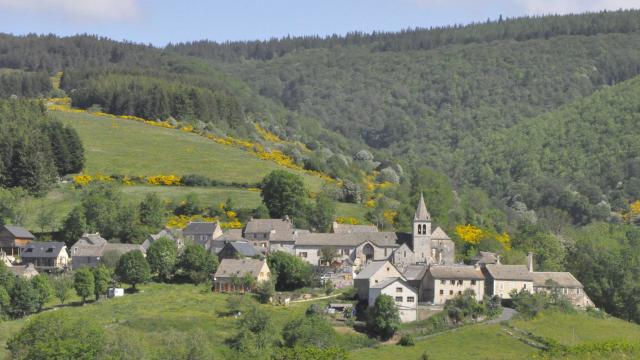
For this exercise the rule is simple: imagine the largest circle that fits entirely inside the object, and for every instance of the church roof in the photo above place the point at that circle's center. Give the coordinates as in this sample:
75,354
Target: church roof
421,212
439,234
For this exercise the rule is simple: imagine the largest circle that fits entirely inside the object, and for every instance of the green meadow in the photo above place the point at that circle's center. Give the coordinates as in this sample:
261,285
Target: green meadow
127,147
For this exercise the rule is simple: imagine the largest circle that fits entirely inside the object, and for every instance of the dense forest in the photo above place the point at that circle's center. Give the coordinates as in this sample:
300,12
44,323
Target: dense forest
24,84
35,149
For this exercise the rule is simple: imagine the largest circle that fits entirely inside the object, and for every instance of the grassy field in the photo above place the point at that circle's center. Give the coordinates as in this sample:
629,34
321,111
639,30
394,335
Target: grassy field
64,197
116,146
580,328
493,342
160,314
473,342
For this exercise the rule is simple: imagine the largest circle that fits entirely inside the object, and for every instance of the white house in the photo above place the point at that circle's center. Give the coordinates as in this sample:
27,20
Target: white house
444,282
404,296
501,280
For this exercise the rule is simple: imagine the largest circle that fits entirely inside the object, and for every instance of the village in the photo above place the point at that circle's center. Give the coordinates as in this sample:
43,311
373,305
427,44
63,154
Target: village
417,270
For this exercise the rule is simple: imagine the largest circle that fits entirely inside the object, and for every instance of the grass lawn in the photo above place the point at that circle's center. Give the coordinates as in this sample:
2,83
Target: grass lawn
472,342
580,328
116,146
161,313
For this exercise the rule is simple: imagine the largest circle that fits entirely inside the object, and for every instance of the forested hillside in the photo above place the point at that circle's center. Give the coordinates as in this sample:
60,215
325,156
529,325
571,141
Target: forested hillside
444,97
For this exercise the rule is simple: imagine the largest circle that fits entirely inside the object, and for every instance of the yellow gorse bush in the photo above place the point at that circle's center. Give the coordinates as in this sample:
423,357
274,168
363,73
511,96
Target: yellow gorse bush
181,222
469,233
347,220
164,180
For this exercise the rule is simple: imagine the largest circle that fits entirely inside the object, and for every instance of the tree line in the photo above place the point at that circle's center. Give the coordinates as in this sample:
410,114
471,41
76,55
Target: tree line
35,150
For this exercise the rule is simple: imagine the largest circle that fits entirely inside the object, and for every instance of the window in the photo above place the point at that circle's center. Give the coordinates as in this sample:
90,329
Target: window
376,281
473,282
452,282
405,254
398,289
459,292
385,251
303,254
411,299
441,292
460,282
398,298
450,292
443,282
525,286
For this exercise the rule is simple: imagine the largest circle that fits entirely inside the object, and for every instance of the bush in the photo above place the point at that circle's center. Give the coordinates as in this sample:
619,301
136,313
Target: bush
407,340
383,319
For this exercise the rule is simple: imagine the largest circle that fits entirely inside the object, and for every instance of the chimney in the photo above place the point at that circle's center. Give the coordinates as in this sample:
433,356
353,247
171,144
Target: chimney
530,261
498,259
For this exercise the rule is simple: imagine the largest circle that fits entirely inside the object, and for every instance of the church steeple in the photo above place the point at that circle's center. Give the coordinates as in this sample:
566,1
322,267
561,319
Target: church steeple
421,211
422,233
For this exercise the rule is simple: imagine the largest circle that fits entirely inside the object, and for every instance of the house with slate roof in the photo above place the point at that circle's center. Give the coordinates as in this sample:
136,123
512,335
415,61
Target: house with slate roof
230,269
26,271
14,238
564,284
202,233
501,280
444,282
46,256
90,248
239,250
171,234
348,228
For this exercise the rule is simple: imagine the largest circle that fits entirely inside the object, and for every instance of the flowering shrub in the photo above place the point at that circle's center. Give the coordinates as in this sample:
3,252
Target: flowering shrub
473,235
181,222
347,220
164,180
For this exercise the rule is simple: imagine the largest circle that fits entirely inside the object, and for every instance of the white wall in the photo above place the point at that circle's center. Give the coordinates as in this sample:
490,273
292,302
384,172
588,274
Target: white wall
503,288
401,295
450,290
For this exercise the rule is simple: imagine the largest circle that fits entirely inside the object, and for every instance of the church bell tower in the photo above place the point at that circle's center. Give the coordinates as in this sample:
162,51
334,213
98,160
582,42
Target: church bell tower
422,233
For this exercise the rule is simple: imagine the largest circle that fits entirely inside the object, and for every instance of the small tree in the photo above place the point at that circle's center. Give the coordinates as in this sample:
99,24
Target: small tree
248,281
283,193
291,271
265,290
328,254
43,288
197,263
383,319
102,278
133,268
46,217
74,226
62,285
162,257
151,211
84,283
24,298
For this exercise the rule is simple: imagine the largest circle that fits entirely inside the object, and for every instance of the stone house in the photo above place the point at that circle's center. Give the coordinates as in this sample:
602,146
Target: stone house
261,232
415,275
230,269
14,238
374,273
90,248
501,280
173,235
404,296
444,282
46,256
349,229
356,248
202,232
564,284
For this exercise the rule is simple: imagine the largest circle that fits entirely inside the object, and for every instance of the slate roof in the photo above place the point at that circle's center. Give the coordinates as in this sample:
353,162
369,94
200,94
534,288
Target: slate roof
380,239
244,248
231,235
239,267
439,234
99,250
415,272
389,281
373,268
421,212
122,248
456,272
88,250
563,279
19,232
200,228
43,250
91,239
268,225
347,228
486,257
509,272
